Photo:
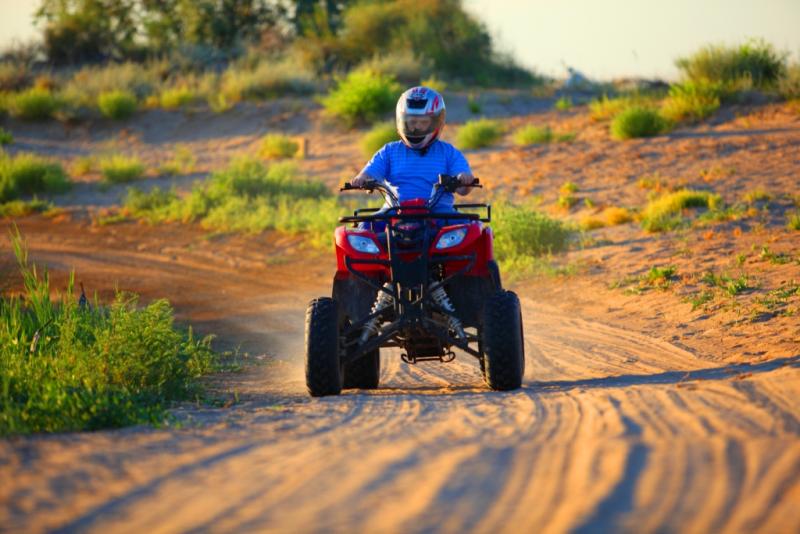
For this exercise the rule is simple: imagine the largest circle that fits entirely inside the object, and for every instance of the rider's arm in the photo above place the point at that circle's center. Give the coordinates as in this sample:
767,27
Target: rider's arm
457,165
360,178
376,169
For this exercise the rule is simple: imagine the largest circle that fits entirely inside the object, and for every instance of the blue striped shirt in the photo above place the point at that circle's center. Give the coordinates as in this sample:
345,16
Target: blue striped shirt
412,174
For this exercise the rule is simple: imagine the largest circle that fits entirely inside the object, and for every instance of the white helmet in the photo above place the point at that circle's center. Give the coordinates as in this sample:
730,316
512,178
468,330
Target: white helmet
420,117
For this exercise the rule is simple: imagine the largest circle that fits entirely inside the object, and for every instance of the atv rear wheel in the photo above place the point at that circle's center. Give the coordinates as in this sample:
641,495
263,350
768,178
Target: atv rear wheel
503,347
364,373
323,365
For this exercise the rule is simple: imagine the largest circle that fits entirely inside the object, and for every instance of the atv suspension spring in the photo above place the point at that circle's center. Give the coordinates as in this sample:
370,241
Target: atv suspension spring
383,301
439,296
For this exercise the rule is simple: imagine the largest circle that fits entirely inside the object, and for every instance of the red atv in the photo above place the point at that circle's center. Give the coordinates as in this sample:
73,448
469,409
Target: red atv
412,278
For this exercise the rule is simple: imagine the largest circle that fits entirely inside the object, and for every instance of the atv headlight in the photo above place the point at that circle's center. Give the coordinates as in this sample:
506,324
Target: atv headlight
363,244
451,238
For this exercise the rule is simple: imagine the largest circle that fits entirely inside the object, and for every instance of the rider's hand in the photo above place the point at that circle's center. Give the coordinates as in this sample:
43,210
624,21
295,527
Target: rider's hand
359,180
465,178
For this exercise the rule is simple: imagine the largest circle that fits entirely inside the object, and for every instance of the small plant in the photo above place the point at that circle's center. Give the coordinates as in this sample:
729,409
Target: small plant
6,138
793,220
756,61
564,103
117,105
473,105
117,168
435,83
700,298
568,188
27,174
665,212
637,122
177,98
34,104
277,146
183,161
774,258
377,137
82,165
756,195
521,232
616,215
362,96
531,135
478,134
731,286
20,208
661,277
693,101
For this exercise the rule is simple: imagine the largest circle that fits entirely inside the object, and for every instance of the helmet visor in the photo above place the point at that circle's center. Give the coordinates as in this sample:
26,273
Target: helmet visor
417,126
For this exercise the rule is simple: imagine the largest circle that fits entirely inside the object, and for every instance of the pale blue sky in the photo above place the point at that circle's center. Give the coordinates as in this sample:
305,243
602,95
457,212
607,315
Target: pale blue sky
603,39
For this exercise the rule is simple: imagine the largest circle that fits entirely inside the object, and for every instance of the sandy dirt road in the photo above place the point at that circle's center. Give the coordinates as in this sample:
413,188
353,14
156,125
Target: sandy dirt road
612,431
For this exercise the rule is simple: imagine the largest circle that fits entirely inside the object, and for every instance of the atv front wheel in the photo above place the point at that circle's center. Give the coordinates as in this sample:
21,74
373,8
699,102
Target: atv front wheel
364,373
323,366
503,347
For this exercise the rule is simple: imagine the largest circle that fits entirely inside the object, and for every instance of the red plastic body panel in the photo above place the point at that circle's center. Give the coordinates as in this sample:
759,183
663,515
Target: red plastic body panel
478,240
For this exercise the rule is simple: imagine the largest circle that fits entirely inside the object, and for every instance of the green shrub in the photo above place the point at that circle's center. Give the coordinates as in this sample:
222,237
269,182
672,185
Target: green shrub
401,65
520,231
182,162
379,135
87,84
793,220
691,101
268,79
531,135
637,122
665,212
34,104
564,103
361,96
118,168
20,208
117,105
605,108
277,146
435,83
478,134
26,174
66,366
756,61
176,98
247,197
474,105
789,84
6,137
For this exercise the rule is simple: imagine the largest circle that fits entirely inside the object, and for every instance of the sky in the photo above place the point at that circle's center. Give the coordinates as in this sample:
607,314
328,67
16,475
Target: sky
603,39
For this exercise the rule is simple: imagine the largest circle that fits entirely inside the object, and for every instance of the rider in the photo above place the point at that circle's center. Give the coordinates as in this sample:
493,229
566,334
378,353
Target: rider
412,165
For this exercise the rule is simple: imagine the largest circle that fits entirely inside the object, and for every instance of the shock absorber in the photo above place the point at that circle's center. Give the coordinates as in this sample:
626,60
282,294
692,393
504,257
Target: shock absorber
383,301
440,297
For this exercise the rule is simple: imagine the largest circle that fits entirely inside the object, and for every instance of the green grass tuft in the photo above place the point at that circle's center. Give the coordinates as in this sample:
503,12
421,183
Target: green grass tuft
176,98
247,197
478,134
66,366
6,138
20,208
637,122
34,104
117,105
531,135
377,137
277,146
521,231
117,168
564,103
756,61
183,161
25,174
362,96
665,212
793,220
692,101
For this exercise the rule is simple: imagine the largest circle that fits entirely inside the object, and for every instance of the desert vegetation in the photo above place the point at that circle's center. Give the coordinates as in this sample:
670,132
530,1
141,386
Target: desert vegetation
72,363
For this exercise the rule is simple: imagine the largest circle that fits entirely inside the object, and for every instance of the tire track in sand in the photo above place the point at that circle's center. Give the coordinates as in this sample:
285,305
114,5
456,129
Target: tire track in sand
612,430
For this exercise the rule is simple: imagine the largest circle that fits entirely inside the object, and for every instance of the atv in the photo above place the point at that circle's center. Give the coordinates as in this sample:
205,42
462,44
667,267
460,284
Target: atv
412,277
